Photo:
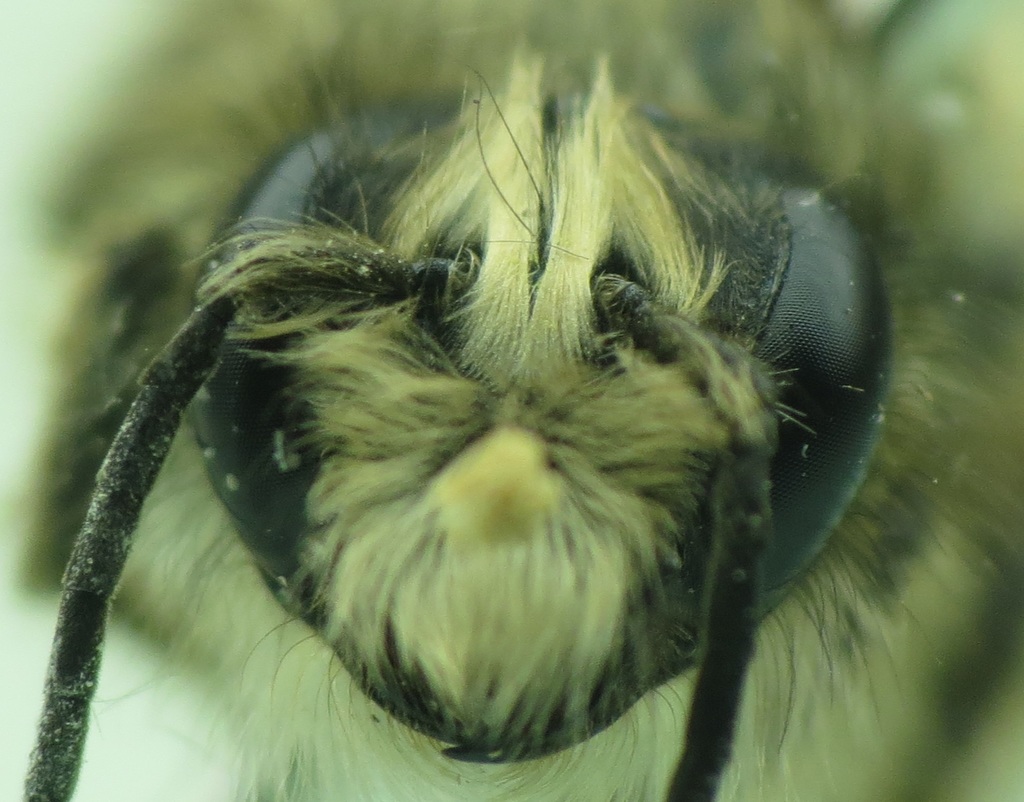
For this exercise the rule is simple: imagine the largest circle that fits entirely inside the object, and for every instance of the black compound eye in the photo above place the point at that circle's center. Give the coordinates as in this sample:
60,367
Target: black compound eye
829,337
285,190
246,425
250,432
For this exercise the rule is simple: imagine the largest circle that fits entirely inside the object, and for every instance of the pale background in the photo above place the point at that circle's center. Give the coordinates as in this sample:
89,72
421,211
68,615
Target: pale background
57,57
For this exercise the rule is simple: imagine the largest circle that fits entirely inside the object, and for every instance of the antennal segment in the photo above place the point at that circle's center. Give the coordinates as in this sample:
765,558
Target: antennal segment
101,548
742,527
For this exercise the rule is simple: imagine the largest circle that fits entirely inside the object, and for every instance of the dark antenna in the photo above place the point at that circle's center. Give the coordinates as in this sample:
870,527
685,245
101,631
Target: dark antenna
101,548
742,525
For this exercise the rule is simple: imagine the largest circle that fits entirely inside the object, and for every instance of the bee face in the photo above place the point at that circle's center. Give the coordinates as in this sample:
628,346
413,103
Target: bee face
531,365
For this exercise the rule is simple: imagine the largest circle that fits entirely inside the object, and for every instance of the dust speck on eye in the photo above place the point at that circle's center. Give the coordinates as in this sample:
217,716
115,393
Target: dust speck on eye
284,459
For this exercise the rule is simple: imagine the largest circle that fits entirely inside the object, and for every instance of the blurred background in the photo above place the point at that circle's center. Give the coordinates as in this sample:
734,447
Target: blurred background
58,58
957,70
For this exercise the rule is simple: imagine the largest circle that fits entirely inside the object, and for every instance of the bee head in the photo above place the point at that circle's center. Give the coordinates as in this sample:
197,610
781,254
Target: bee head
488,402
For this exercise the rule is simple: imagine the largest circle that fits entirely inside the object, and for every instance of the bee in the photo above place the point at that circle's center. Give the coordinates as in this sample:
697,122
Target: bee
540,401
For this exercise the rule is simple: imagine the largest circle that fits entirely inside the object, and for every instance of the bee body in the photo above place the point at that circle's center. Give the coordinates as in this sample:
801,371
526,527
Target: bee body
521,269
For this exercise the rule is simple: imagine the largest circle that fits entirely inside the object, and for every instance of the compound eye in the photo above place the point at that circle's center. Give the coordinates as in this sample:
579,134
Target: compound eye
245,422
286,190
829,337
249,433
